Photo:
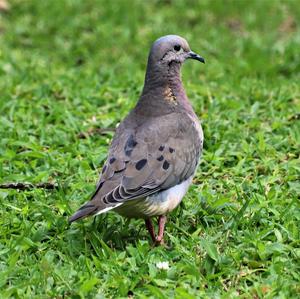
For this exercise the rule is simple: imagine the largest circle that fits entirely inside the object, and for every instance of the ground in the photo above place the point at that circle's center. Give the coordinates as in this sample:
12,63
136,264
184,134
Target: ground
71,70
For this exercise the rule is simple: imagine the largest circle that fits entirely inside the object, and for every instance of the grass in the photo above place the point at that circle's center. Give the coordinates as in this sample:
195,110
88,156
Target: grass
74,66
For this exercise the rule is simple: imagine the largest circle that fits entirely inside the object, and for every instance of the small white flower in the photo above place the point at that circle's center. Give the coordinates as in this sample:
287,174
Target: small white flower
162,265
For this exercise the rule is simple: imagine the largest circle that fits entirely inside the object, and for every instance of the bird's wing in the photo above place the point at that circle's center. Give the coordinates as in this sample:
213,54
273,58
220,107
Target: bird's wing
144,159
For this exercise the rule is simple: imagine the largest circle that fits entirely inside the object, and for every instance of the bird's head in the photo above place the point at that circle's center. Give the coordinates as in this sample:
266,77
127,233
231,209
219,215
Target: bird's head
171,49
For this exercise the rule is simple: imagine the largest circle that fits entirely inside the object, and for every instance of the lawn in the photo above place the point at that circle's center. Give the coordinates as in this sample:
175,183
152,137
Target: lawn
71,70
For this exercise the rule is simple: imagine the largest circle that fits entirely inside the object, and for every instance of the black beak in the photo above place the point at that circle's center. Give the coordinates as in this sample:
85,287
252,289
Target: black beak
193,55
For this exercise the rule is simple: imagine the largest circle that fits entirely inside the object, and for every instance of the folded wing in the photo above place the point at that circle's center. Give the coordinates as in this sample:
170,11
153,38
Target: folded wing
141,162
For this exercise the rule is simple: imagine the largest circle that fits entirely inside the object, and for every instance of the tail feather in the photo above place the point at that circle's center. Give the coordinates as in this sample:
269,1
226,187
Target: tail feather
86,210
90,209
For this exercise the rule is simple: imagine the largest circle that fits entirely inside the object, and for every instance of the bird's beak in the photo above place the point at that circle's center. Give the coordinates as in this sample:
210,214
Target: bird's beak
193,55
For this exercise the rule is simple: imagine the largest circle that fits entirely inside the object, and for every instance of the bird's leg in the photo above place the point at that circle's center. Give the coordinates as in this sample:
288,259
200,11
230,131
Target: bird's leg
150,228
161,228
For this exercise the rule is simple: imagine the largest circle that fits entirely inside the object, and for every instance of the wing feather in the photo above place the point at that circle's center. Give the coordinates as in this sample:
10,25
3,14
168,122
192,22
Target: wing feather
142,161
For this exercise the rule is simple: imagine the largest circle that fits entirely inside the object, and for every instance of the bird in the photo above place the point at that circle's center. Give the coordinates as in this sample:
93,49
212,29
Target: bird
156,149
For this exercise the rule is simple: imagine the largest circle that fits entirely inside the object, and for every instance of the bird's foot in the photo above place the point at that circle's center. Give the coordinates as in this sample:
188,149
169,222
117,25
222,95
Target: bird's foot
159,241
150,228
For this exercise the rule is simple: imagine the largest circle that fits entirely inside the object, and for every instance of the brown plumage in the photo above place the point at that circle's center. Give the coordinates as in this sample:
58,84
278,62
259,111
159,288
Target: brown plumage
155,151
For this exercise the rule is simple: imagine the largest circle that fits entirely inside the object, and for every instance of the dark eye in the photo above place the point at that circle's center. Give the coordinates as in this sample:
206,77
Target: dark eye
177,48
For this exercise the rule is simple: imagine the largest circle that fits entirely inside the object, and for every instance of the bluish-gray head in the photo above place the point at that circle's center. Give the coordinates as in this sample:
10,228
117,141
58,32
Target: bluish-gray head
171,48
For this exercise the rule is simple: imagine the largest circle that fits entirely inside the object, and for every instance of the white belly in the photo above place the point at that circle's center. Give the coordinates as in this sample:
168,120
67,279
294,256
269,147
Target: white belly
157,204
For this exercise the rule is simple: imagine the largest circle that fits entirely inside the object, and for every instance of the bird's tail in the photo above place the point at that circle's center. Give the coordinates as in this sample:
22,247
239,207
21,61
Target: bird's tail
90,209
86,210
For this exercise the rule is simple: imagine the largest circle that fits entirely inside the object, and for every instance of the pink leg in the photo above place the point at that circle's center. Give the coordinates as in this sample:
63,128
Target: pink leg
161,228
150,228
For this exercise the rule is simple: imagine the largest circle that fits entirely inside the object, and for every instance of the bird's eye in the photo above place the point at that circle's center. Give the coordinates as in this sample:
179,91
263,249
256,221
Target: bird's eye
177,48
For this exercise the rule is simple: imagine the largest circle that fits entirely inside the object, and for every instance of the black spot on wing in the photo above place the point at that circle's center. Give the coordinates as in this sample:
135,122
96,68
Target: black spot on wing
140,164
166,165
161,148
98,188
109,198
171,150
118,171
112,160
105,200
117,195
104,168
130,145
160,158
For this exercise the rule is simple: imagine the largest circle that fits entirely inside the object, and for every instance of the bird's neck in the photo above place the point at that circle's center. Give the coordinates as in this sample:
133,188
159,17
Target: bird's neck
163,91
159,77
163,87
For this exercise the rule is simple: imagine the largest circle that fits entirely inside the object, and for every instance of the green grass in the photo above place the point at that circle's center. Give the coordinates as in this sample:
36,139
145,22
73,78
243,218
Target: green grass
72,66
